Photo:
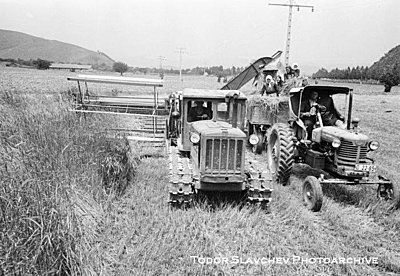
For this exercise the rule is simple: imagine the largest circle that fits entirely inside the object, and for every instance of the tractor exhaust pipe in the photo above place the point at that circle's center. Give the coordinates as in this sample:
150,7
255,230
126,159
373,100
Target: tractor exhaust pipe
231,98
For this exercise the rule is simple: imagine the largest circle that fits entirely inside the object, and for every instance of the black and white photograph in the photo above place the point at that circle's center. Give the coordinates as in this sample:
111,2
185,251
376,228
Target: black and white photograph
201,137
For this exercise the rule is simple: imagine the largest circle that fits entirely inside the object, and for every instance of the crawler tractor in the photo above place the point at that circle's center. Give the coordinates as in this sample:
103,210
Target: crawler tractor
343,153
209,154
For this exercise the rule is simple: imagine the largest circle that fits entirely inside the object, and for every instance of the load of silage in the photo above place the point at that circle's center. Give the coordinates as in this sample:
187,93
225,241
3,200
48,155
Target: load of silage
267,109
268,102
292,83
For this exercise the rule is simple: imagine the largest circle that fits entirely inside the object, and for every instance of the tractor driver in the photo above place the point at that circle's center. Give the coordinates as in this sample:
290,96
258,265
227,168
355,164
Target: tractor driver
330,116
199,112
307,111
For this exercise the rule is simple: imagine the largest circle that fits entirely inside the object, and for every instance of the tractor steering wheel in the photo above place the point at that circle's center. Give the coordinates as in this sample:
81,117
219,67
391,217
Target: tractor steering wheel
319,108
203,117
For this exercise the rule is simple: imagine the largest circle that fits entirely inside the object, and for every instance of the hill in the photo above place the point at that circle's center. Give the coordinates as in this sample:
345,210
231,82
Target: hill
387,69
387,62
20,45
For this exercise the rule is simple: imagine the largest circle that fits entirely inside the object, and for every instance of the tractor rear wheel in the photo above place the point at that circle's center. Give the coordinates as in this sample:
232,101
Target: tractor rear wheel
312,193
257,148
280,152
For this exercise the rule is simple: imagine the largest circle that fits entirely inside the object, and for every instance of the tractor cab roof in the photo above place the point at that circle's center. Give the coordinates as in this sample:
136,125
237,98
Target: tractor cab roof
205,94
299,94
322,90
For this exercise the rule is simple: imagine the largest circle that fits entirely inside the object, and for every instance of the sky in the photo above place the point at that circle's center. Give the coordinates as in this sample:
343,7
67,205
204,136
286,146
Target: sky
339,33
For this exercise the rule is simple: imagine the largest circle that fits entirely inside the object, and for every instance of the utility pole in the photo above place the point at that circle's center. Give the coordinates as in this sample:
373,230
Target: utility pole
161,59
291,5
180,51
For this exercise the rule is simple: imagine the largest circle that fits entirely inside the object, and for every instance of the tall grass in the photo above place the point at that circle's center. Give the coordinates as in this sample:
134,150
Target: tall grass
56,176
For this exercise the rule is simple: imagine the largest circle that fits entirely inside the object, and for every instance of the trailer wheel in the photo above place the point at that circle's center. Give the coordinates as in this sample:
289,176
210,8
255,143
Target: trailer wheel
280,152
257,148
312,193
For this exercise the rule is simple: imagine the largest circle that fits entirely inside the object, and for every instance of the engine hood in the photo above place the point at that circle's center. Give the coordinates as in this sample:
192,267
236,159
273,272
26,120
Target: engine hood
216,129
329,133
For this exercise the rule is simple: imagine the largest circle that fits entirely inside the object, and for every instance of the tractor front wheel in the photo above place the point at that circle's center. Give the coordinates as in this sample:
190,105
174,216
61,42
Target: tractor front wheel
312,193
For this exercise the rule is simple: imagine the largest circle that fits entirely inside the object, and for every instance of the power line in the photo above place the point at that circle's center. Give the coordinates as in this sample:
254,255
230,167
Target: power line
291,5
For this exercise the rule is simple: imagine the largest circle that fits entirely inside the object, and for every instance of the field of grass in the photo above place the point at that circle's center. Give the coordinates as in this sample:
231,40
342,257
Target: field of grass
136,233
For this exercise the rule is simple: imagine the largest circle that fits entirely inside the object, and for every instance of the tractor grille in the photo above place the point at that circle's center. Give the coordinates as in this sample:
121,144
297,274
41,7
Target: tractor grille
224,156
349,155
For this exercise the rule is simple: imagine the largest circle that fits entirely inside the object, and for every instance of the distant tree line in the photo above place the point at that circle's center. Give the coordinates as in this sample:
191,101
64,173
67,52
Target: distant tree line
386,71
389,76
121,68
36,63
218,71
355,73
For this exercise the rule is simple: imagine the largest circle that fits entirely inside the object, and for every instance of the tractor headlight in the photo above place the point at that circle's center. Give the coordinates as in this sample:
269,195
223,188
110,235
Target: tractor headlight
336,143
253,139
194,138
373,145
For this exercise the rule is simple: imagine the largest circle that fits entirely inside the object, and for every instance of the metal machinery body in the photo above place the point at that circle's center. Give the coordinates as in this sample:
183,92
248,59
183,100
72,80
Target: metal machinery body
210,154
340,152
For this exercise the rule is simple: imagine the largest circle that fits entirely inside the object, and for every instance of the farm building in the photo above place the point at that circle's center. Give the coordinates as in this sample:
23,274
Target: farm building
71,67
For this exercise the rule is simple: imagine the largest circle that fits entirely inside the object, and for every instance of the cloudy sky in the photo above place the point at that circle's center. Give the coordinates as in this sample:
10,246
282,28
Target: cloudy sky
339,33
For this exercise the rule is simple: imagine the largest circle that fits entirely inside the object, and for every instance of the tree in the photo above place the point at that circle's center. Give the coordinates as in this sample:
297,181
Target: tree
321,73
390,78
42,64
120,67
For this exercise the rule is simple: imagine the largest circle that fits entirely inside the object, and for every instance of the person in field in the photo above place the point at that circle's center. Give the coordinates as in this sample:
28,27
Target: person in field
329,114
307,111
269,87
279,82
199,112
296,70
331,117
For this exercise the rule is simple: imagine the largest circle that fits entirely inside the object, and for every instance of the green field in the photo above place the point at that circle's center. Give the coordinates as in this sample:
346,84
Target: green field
95,231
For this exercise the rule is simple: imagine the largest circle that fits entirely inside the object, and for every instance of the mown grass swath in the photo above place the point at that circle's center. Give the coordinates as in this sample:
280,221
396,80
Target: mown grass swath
55,177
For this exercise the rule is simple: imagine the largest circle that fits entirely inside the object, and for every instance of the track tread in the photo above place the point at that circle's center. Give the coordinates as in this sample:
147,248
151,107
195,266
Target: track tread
181,191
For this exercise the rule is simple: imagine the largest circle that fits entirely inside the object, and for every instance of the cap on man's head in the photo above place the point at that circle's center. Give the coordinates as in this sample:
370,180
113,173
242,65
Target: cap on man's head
199,102
269,77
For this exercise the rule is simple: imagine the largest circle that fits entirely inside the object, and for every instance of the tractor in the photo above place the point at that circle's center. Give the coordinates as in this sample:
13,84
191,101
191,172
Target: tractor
208,153
342,152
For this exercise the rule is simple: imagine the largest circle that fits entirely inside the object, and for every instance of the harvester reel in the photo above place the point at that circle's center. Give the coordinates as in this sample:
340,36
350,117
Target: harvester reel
280,152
